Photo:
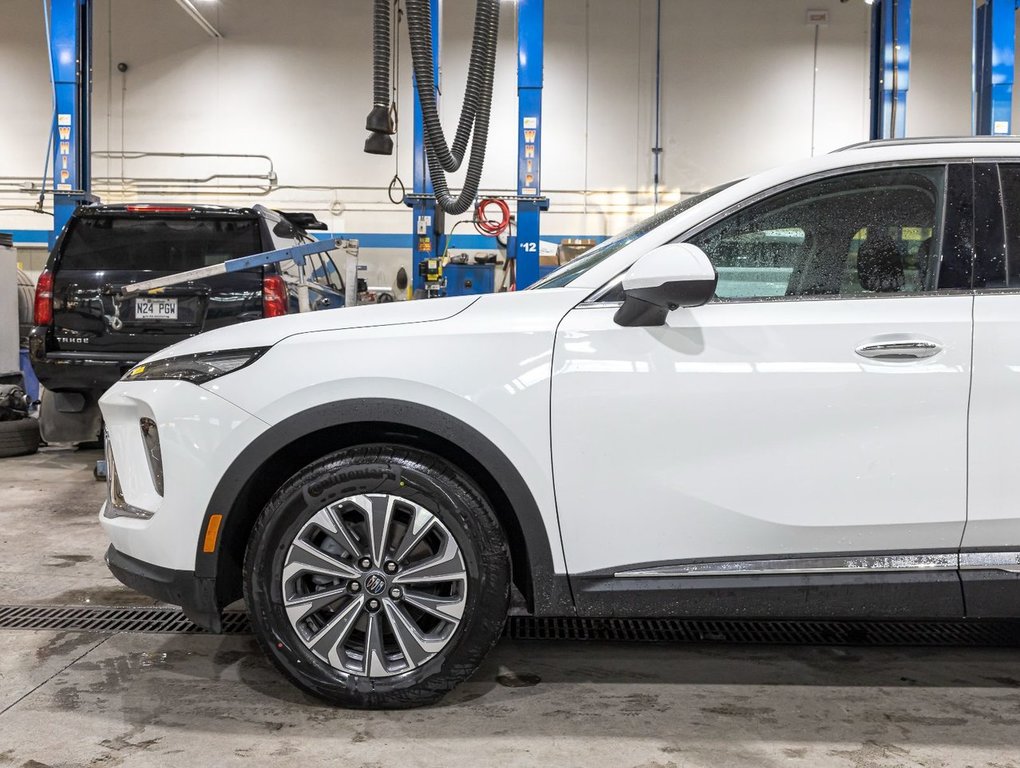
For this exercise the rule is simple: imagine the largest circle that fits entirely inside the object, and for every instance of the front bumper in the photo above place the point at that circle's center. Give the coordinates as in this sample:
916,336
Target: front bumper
200,435
197,596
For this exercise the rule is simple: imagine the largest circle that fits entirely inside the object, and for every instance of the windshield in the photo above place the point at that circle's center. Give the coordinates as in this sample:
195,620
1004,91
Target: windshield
568,272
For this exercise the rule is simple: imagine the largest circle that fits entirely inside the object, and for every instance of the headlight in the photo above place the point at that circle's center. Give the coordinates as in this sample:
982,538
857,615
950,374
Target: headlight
198,369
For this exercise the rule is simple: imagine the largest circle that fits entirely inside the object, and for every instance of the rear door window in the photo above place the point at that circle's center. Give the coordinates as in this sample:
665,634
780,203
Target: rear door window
170,244
999,272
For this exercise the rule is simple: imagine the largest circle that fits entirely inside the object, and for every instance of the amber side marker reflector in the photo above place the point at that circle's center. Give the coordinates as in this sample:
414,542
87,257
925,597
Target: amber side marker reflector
211,532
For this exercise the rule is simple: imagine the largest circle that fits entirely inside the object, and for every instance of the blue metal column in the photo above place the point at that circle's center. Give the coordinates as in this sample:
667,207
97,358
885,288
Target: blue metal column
530,54
994,42
71,52
890,68
426,216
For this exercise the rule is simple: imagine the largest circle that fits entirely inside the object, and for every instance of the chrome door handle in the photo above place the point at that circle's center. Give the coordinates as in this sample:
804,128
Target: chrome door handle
900,349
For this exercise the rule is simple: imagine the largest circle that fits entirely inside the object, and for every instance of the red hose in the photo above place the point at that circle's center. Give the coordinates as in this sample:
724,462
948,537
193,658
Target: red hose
488,226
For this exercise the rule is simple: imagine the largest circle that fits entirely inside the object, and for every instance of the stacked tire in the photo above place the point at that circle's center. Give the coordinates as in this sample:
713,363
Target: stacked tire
19,437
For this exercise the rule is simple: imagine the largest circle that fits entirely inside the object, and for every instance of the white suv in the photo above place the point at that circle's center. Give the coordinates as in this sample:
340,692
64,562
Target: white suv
793,396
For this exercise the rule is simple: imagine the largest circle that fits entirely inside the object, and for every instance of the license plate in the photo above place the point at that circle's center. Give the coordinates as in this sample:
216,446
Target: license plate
155,309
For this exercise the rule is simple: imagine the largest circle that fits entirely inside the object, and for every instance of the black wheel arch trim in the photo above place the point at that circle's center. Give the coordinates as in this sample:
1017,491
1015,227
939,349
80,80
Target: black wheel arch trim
551,594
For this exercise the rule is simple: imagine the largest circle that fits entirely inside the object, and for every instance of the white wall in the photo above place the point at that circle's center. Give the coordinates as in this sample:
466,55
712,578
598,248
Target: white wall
939,100
291,80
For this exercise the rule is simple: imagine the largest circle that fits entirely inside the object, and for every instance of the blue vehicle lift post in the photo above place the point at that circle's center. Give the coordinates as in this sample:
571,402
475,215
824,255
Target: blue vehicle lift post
427,218
890,68
71,55
427,221
994,47
530,62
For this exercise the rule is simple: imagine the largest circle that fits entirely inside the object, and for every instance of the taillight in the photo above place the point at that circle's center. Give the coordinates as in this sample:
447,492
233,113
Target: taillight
44,299
274,296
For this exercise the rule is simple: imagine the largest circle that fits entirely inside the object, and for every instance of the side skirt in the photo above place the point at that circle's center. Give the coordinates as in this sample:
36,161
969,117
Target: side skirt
927,585
898,595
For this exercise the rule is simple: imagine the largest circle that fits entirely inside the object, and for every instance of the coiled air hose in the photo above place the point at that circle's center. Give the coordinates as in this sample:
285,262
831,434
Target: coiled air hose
474,118
492,227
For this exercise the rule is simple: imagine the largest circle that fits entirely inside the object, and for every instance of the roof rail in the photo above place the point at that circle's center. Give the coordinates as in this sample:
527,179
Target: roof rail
876,143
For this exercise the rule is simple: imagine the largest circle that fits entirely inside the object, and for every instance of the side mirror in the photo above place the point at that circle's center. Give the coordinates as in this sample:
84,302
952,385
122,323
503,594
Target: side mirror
284,228
666,278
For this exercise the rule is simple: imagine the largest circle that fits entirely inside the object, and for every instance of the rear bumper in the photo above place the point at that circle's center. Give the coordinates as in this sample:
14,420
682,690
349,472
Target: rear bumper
197,596
93,372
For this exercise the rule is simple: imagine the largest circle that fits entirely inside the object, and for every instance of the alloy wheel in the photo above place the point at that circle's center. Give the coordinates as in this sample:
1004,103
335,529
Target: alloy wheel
374,585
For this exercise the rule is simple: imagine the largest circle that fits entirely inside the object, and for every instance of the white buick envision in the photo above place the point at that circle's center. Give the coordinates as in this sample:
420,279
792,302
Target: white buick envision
792,396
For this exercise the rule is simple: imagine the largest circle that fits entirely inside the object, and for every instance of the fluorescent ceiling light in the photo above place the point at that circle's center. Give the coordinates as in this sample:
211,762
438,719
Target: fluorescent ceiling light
193,12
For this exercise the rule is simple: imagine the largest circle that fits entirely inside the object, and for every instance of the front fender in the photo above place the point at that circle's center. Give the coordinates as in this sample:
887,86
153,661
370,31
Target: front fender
551,593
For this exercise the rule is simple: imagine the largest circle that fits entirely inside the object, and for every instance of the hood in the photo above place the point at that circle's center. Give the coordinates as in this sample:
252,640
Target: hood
271,331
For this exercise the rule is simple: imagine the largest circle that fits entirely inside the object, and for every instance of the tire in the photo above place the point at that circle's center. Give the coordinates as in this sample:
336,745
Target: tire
19,437
333,500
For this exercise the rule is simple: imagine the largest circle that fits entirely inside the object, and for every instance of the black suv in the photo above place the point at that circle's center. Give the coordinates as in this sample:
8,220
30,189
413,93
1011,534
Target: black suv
86,336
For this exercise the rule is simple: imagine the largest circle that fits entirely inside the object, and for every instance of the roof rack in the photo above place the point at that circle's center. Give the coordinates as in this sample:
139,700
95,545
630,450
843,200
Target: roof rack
930,140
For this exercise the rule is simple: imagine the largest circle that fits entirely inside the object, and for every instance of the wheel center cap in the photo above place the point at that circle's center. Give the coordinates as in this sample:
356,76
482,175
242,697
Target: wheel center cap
375,584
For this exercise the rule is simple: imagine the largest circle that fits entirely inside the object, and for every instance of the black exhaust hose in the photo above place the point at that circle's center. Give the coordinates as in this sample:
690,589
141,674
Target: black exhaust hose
419,31
379,117
475,115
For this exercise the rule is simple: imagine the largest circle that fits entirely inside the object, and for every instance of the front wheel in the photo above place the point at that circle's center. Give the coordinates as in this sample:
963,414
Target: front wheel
378,577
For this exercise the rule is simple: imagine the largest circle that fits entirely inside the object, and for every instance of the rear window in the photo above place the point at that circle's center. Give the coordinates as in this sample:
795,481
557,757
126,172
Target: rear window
151,243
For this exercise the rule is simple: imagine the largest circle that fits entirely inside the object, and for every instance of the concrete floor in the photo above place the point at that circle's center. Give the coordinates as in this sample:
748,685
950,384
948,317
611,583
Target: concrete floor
81,699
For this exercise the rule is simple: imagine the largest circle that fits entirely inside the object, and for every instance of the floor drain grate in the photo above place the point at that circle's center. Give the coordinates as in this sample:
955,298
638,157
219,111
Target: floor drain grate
525,628
113,619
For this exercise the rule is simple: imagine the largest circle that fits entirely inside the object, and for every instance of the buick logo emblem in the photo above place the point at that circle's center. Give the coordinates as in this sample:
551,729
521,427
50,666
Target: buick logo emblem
375,584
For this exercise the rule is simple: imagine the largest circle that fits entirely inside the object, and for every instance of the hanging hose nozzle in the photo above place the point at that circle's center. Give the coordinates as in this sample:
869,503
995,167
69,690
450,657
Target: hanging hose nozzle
380,120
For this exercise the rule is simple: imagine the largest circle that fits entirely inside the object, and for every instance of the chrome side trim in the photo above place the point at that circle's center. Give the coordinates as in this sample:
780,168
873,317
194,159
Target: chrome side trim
990,561
943,561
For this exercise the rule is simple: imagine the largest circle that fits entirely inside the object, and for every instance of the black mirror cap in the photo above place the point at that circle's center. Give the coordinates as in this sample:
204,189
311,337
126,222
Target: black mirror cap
284,228
302,220
638,313
647,307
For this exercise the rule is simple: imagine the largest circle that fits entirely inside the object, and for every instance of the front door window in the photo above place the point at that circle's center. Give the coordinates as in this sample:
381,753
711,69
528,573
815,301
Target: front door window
859,234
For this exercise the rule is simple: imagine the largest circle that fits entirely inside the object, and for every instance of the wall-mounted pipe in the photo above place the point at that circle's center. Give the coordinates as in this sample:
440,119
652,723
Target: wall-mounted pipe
138,154
657,149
